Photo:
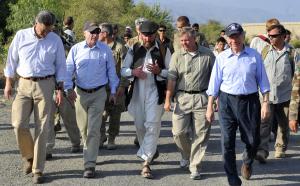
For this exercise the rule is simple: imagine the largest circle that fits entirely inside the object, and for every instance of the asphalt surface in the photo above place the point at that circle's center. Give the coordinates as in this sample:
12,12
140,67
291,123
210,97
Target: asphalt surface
122,167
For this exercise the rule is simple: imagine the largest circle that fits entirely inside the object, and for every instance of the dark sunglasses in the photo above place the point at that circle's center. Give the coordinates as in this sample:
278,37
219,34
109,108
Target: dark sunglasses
274,36
162,30
96,31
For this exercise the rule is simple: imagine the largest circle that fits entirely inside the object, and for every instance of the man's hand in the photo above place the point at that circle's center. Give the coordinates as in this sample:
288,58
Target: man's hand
265,111
120,91
210,114
153,68
167,106
8,92
113,99
59,97
293,125
139,73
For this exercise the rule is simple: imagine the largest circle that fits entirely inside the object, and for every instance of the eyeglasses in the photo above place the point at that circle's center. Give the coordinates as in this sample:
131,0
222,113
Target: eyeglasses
96,31
274,36
162,30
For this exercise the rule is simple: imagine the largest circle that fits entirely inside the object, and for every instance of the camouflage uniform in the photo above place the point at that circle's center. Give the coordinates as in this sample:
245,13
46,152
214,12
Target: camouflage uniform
295,96
200,40
133,41
114,111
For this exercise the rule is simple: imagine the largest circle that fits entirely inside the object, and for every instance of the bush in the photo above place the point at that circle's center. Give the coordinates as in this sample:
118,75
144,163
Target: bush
295,43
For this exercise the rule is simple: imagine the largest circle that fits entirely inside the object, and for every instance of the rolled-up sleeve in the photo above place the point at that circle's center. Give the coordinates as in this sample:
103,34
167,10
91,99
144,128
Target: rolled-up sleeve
173,71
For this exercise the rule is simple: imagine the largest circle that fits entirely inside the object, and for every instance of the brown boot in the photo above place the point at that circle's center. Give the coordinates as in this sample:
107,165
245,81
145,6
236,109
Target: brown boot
246,171
27,167
111,143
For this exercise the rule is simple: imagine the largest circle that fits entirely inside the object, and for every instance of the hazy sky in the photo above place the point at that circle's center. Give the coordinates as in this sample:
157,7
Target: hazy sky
225,11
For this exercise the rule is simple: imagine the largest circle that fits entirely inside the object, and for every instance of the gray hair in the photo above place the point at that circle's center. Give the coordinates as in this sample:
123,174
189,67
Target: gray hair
45,17
106,27
187,30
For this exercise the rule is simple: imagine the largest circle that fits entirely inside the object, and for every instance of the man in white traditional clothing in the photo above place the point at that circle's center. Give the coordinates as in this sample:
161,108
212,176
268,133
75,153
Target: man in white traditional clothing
146,65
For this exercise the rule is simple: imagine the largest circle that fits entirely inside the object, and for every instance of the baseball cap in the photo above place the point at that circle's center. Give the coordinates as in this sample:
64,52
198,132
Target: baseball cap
233,28
148,28
90,26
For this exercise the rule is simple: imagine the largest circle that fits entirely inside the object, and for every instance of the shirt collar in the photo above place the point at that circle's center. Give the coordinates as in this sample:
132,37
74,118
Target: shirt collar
229,52
97,45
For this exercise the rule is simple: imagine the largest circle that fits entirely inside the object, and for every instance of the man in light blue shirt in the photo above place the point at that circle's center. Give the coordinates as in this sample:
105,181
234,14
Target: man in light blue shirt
235,78
37,56
93,65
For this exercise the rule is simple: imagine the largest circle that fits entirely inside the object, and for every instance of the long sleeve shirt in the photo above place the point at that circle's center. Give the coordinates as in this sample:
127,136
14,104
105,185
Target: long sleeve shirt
29,56
238,74
92,67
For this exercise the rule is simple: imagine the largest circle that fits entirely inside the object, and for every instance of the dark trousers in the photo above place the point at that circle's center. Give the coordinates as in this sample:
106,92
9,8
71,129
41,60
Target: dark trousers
243,112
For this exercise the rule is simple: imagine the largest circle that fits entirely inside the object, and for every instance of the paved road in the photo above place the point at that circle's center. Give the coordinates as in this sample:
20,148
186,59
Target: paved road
122,167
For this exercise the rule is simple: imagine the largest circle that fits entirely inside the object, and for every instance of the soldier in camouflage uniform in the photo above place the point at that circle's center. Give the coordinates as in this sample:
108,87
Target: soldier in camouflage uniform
183,21
113,111
295,97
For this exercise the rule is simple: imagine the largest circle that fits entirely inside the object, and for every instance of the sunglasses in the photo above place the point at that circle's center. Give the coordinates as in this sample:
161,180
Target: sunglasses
162,30
274,36
96,31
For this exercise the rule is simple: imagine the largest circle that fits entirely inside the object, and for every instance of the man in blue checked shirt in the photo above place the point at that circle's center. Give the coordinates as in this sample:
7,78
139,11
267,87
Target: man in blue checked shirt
93,65
235,78
37,56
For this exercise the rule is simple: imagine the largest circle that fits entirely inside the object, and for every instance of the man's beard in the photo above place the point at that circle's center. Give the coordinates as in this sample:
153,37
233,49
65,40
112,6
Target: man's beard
148,45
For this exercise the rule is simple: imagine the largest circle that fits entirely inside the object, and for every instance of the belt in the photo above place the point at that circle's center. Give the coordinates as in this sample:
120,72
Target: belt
37,78
192,91
243,96
92,89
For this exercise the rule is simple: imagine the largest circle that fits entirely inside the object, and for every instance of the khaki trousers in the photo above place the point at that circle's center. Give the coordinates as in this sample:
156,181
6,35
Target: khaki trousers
67,112
36,97
89,109
190,128
279,112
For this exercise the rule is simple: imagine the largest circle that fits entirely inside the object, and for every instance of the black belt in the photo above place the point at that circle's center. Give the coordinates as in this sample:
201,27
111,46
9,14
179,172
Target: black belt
92,89
243,96
38,78
192,91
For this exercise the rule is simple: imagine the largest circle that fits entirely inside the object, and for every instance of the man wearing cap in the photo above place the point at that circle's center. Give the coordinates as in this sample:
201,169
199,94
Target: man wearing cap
113,111
188,78
235,78
39,70
138,38
145,66
93,65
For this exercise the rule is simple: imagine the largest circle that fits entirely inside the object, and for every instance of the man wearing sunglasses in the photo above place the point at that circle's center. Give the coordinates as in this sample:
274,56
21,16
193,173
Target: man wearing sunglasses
162,38
280,67
93,65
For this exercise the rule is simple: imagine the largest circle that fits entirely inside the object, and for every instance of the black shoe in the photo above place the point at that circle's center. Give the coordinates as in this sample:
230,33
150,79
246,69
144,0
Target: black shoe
155,156
38,178
75,149
89,172
136,142
49,156
57,127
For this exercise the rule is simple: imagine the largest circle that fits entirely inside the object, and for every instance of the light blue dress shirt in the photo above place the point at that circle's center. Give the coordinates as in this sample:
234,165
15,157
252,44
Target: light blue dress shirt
238,74
92,67
30,56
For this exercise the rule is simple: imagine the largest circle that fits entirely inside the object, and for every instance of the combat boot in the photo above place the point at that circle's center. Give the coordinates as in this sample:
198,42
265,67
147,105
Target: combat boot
111,143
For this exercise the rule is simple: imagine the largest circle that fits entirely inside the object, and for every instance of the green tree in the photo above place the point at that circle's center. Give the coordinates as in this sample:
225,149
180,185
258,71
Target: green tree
24,11
211,30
